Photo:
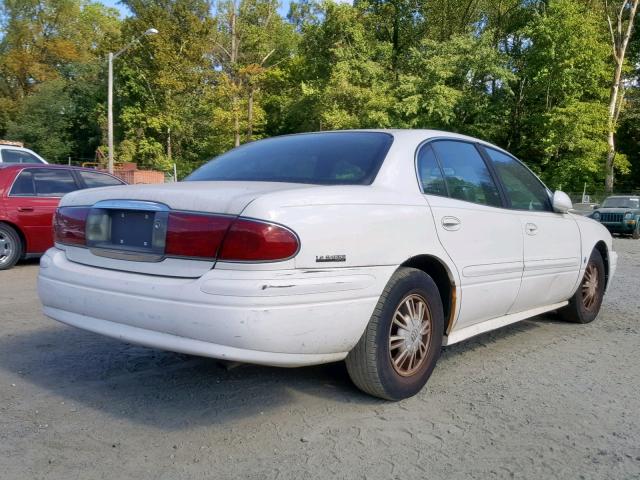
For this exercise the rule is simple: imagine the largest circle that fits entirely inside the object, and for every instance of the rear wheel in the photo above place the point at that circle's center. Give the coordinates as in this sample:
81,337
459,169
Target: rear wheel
10,247
585,304
401,344
636,231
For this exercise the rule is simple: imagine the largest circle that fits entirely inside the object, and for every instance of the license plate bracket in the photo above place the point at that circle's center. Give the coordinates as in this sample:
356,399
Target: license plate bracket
128,230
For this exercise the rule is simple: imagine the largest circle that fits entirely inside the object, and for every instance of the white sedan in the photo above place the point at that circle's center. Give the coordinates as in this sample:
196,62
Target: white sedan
376,247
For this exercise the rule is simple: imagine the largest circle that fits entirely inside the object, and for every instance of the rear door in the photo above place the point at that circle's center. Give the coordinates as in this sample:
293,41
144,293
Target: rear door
33,199
552,246
483,239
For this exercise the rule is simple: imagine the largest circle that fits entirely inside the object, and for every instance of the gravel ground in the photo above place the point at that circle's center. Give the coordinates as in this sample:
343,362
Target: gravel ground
539,399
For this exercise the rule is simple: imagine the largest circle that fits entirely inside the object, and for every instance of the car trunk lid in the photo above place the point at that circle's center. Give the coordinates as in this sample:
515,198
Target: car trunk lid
211,197
127,227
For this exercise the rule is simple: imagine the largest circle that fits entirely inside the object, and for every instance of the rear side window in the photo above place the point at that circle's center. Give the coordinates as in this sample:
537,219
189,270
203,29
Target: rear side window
18,156
23,185
51,182
465,173
335,158
524,190
95,179
430,174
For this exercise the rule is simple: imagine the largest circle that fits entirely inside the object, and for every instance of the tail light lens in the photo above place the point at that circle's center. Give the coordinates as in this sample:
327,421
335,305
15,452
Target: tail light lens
255,241
69,225
195,235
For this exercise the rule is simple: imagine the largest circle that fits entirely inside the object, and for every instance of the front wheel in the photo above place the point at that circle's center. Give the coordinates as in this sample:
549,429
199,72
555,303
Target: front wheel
399,349
585,304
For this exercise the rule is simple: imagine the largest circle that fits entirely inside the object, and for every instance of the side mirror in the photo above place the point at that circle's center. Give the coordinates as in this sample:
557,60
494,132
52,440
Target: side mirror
561,202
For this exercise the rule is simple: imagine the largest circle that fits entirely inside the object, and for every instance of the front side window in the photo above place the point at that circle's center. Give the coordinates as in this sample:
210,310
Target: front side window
18,156
465,173
96,179
23,185
523,189
332,158
50,182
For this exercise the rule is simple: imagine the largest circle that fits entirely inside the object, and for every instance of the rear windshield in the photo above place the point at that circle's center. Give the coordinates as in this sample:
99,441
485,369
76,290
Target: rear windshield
332,158
621,202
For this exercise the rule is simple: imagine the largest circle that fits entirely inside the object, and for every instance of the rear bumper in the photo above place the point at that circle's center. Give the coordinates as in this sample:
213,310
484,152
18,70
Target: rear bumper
282,318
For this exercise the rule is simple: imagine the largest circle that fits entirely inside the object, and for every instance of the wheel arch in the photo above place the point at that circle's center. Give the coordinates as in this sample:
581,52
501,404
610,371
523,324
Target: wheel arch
601,246
20,233
444,280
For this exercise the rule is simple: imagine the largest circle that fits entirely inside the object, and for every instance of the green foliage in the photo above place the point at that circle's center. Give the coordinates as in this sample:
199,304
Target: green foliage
456,85
44,120
532,76
565,95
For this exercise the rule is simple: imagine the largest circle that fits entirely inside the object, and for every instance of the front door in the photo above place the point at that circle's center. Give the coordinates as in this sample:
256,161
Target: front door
483,239
552,249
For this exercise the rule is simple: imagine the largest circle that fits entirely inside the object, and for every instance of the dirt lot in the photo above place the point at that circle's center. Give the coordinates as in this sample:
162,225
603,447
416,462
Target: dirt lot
540,399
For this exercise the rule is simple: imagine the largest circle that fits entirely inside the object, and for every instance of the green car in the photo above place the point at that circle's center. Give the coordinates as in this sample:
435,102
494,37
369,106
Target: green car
620,214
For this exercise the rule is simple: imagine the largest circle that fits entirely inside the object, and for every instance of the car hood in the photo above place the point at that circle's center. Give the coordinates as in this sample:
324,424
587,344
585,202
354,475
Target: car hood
214,197
613,210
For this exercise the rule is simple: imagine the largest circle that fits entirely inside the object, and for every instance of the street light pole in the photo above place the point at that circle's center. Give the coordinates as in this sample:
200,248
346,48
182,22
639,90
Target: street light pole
110,113
112,57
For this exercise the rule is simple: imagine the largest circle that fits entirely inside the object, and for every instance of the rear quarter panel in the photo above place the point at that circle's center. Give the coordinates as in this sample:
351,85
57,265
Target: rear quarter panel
353,226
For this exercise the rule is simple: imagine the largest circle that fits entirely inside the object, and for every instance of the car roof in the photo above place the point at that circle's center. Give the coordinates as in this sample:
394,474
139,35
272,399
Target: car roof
416,135
20,166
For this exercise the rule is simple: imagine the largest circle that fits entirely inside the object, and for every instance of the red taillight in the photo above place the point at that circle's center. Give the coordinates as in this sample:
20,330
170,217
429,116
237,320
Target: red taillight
69,225
255,241
195,235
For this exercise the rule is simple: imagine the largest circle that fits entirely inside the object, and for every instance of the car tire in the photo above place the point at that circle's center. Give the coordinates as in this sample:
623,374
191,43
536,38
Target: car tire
392,362
636,232
10,246
585,304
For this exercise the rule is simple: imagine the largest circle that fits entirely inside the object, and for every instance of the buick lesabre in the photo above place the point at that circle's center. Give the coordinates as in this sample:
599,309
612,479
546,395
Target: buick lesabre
373,247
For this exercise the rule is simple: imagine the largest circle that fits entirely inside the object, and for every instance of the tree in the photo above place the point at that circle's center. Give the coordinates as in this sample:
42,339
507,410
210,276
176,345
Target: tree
161,82
455,85
44,120
564,89
620,19
50,62
251,40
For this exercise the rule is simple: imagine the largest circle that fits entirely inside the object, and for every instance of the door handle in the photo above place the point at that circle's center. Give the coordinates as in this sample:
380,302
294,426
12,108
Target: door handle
451,223
25,209
531,228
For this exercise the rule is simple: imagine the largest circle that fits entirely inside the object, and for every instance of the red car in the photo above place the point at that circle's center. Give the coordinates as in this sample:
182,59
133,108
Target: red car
29,195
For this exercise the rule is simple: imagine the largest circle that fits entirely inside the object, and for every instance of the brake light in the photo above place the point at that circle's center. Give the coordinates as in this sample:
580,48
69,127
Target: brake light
69,225
255,241
195,235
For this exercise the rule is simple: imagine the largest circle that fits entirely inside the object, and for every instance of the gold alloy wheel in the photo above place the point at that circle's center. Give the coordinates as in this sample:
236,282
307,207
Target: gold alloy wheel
590,287
409,335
